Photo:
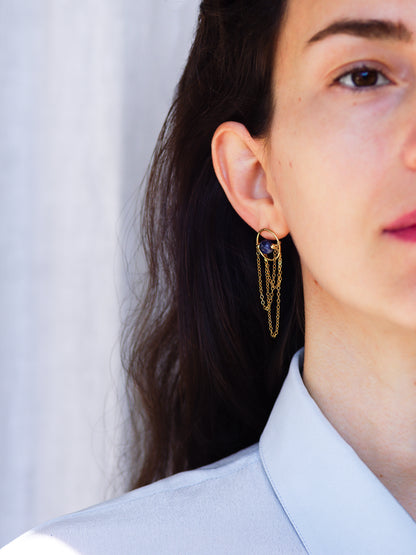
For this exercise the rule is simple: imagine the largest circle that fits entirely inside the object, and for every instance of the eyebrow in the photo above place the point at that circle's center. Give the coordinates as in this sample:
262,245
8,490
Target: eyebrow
366,28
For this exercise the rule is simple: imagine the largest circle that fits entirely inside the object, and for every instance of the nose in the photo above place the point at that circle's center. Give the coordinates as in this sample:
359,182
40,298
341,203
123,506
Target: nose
409,147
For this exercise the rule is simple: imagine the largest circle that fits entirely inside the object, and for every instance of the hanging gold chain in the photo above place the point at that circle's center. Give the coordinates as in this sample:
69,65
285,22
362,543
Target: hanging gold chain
273,281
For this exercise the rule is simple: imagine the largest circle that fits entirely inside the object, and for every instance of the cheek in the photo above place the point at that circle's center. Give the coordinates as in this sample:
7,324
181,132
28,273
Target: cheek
329,180
327,166
314,187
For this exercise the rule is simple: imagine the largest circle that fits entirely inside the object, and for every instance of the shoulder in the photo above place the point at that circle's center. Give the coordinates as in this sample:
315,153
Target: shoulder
227,506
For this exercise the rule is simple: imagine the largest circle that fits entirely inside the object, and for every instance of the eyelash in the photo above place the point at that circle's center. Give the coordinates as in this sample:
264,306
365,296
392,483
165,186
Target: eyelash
362,69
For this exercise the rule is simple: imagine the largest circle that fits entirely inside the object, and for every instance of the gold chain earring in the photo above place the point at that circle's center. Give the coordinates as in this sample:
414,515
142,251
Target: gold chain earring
271,253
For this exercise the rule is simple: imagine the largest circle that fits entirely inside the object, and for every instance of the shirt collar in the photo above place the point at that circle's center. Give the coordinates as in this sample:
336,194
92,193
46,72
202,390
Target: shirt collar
335,503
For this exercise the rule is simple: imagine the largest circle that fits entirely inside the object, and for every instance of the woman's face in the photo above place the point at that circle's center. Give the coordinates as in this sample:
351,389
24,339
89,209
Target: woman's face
342,152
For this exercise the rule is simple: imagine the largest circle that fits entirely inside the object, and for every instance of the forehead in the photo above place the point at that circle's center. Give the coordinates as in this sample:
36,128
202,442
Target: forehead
304,18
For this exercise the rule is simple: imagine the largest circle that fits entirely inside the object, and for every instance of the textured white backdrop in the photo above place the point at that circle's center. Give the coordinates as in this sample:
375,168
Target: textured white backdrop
84,87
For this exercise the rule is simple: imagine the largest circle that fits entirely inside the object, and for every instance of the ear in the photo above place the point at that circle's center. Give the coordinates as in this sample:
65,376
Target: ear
240,165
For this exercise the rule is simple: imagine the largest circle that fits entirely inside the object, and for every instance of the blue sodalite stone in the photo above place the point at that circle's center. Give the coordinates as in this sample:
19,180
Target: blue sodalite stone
266,247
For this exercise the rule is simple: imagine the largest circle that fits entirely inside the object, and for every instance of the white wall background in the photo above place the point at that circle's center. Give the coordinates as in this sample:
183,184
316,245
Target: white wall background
84,88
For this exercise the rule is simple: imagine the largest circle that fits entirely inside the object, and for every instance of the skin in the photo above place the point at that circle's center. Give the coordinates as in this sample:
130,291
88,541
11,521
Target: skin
338,166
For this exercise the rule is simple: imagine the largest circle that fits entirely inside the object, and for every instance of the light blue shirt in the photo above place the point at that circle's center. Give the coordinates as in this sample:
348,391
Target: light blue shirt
302,489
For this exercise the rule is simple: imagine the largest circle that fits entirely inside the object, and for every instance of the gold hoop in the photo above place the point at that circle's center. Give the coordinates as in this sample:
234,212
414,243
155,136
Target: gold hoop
275,247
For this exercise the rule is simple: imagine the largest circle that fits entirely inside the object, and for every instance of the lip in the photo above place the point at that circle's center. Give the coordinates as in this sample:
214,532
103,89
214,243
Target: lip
404,222
404,234
404,228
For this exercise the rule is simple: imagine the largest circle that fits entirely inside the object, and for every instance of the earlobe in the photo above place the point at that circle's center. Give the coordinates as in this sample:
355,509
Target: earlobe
238,161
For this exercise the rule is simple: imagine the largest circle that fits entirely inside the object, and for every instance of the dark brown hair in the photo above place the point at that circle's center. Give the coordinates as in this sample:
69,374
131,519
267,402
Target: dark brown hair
202,371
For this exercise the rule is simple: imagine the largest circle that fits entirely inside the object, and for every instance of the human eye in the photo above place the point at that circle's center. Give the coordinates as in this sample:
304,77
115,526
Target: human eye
363,77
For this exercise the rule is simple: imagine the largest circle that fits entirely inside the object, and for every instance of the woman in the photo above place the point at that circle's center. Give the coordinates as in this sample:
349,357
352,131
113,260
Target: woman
304,114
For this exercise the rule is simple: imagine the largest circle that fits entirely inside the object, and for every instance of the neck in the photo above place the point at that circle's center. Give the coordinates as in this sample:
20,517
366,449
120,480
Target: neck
362,375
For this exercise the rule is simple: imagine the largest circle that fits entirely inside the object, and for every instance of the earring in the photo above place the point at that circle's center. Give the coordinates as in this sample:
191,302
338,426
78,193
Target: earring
271,254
